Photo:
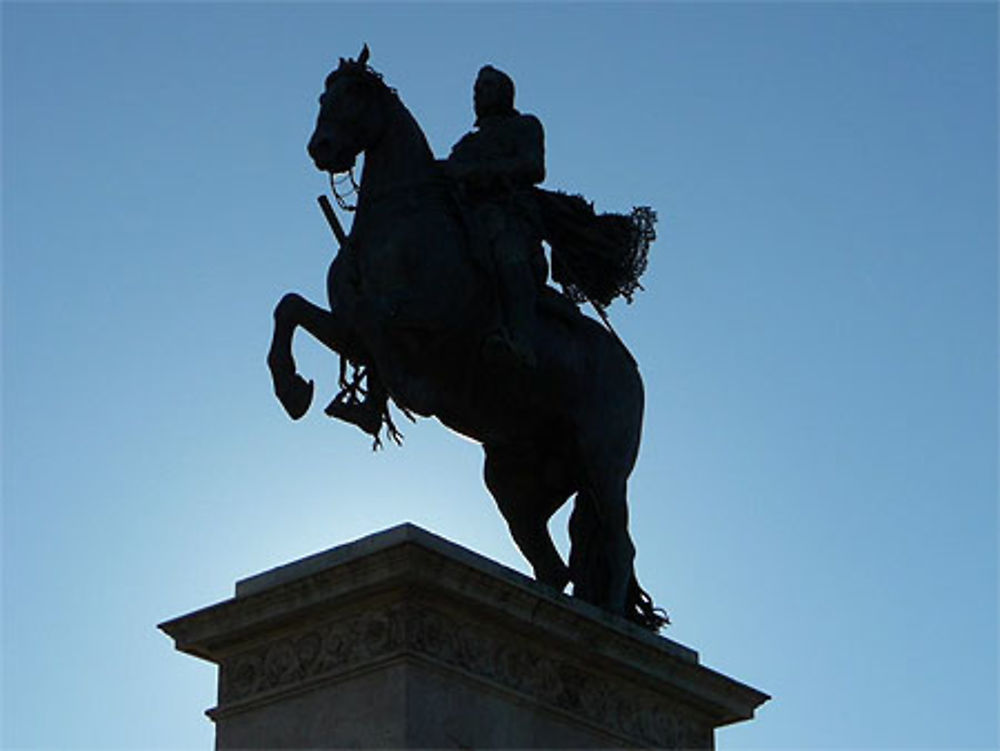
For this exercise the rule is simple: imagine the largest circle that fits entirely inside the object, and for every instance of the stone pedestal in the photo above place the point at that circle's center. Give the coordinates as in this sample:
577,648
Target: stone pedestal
404,640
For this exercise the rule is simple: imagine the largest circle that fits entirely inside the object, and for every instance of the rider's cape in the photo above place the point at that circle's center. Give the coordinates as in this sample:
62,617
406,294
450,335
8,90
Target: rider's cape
595,257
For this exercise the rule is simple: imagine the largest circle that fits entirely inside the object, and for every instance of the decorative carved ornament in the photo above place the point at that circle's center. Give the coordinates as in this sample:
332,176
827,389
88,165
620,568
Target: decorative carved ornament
337,647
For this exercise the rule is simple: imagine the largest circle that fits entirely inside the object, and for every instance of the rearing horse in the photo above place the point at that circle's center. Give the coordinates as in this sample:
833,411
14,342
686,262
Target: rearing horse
412,300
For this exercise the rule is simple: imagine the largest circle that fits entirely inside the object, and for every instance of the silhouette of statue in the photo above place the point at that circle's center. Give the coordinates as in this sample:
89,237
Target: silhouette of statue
438,302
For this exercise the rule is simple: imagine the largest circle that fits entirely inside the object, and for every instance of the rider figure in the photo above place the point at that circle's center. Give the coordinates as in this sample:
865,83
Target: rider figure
496,166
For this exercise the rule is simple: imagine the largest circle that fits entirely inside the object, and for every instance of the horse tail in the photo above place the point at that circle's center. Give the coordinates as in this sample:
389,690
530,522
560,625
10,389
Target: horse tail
639,608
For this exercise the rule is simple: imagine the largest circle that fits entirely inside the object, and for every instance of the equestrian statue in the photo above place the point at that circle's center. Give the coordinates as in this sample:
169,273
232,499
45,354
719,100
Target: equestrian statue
438,302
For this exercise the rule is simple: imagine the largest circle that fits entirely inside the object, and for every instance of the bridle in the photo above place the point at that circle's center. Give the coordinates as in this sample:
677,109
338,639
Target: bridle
342,198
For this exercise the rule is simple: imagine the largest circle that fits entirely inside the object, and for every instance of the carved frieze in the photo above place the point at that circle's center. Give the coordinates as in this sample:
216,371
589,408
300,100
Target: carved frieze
329,649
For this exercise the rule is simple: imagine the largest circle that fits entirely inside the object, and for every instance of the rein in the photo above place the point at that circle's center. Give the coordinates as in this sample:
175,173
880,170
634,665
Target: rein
409,187
342,198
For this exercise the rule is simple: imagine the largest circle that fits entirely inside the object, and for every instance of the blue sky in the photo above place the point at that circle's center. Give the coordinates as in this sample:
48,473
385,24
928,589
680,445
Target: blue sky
815,500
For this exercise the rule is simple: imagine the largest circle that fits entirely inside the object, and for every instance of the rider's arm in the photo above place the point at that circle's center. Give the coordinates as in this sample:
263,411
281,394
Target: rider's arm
514,158
526,166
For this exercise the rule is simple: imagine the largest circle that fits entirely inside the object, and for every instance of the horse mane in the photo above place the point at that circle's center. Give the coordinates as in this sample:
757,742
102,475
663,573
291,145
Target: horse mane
361,69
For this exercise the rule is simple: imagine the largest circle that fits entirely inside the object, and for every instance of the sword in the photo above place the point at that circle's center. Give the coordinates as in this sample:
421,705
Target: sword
332,220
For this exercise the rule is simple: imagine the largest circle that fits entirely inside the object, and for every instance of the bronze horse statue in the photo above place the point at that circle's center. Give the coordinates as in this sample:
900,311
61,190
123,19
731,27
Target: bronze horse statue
412,300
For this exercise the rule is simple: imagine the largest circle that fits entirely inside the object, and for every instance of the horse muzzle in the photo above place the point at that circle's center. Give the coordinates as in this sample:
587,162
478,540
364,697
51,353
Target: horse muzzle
327,158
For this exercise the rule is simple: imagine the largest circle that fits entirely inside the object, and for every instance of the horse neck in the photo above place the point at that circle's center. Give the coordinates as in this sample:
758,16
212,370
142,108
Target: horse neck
401,157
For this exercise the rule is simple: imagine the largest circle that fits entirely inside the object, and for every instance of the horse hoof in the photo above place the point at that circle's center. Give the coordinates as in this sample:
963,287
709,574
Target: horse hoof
557,579
296,396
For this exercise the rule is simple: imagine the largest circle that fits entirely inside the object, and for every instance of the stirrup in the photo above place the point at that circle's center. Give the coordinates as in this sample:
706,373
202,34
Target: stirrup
360,414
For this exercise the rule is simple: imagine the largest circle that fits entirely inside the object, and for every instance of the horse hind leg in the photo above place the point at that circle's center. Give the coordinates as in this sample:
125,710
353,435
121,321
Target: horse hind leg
602,557
601,549
528,493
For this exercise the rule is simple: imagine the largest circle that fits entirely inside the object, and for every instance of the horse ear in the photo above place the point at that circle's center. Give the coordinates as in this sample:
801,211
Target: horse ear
363,57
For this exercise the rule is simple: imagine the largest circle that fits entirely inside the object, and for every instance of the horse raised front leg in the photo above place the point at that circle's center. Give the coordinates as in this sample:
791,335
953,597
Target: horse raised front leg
293,391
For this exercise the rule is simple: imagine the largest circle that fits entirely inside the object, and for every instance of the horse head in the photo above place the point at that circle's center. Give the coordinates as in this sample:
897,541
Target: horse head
350,119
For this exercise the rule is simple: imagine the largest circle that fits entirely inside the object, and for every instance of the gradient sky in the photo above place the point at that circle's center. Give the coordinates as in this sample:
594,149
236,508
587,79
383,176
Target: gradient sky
815,500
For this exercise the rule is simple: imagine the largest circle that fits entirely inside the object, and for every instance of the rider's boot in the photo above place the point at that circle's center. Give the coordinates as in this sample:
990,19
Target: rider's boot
518,291
366,414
